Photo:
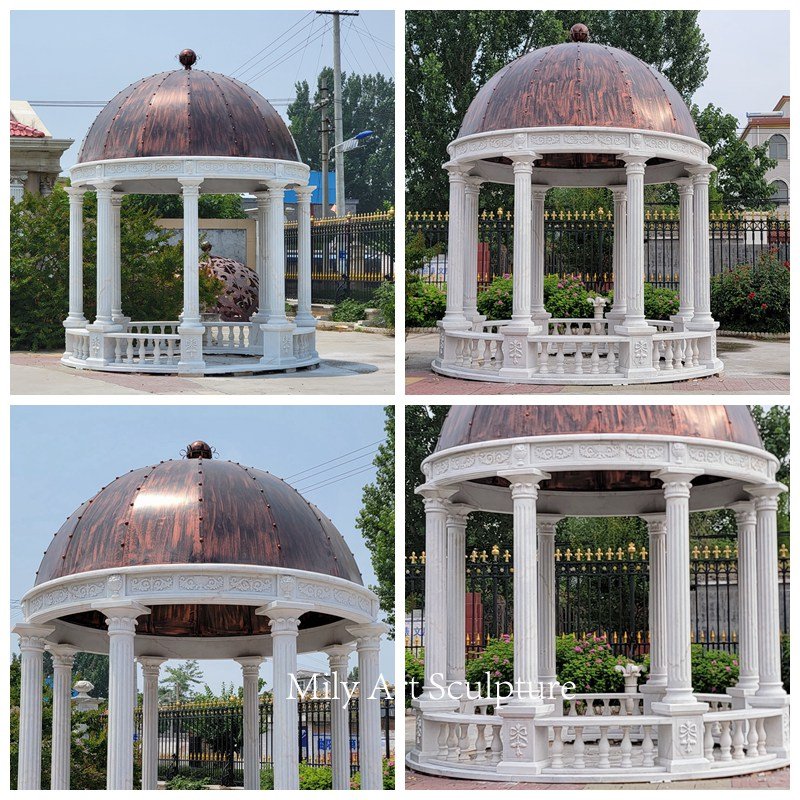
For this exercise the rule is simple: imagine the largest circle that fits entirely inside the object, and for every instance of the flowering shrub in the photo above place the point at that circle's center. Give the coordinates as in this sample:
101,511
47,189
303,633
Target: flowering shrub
495,301
563,297
425,303
659,302
415,669
785,661
498,660
713,670
753,298
589,663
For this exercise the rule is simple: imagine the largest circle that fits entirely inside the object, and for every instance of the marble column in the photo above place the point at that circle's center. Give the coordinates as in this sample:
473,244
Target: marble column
546,601
151,665
284,622
701,319
251,748
32,640
277,257
63,658
523,235
75,317
656,683
472,191
121,624
456,598
338,658
191,255
105,254
538,312
634,321
368,641
770,685
116,261
747,587
454,318
686,255
618,256
304,319
262,256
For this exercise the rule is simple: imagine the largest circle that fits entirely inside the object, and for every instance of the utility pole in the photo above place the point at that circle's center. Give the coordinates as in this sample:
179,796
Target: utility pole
337,106
322,105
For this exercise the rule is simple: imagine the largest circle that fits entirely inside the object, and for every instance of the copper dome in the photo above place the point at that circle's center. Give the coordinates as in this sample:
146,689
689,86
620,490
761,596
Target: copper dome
578,84
188,112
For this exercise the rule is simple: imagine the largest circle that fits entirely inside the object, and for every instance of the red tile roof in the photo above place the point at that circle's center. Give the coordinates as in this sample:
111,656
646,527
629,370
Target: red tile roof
20,129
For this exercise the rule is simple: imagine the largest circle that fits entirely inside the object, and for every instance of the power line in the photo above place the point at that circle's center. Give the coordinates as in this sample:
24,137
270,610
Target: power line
271,44
376,42
314,475
371,35
339,478
280,60
331,460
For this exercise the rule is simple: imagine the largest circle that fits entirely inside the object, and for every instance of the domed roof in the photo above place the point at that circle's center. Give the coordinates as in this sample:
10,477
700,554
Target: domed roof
470,424
578,84
197,510
188,112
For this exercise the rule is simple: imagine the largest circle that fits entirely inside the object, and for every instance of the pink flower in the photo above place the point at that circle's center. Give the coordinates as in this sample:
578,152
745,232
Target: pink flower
578,650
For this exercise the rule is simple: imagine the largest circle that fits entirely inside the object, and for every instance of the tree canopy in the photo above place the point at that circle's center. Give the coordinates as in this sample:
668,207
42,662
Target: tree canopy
367,104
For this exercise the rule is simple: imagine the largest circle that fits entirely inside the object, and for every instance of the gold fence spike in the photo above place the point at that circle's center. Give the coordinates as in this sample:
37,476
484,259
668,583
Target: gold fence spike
413,557
507,556
783,551
609,554
484,556
495,551
568,554
473,556
578,554
695,552
643,553
422,558
620,554
557,554
599,554
632,548
588,553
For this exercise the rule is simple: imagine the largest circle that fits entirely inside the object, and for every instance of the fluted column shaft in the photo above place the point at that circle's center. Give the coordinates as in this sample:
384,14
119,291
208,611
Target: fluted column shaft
524,493
523,235
121,624
455,590
769,649
657,540
284,622
472,191
546,599
252,762
538,194
304,318
150,671
747,585
686,245
276,264
116,260
702,263
31,647
63,658
338,657
677,490
262,255
75,317
105,253
368,640
619,252
454,313
634,243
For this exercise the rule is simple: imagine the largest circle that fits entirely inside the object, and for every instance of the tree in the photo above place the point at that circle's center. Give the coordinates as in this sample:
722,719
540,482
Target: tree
170,206
92,667
179,682
152,269
450,55
773,425
367,104
376,520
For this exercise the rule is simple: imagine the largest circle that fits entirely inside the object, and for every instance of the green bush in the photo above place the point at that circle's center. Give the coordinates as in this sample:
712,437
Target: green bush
388,776
659,302
563,297
425,303
497,659
495,301
415,669
315,777
713,670
180,782
349,310
753,298
785,661
384,302
589,663
267,778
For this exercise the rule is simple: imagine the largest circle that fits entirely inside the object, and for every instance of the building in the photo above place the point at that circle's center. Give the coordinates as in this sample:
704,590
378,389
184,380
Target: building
772,127
35,154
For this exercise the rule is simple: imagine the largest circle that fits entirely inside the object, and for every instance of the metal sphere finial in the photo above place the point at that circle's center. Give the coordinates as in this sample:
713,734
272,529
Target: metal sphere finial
579,33
187,58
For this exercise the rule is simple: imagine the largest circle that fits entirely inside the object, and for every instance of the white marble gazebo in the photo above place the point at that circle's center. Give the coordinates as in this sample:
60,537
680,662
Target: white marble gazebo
541,464
207,559
578,115
189,132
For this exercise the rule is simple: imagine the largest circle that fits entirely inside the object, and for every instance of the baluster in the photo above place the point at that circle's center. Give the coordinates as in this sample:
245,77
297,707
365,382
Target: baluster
441,739
738,739
579,749
129,351
452,741
480,743
156,351
668,355
657,355
611,359
648,758
473,352
559,358
762,736
496,750
603,749
595,359
170,352
557,753
142,349
682,359
725,740
499,355
463,742
118,351
695,353
708,741
625,748
578,359
752,739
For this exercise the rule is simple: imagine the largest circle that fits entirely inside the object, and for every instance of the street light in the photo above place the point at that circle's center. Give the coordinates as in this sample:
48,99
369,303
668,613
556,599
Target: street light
353,142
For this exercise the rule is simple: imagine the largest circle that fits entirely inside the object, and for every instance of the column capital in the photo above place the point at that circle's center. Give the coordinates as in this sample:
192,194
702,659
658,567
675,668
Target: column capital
656,523
190,185
539,191
634,164
151,664
437,499
304,193
522,162
685,186
76,194
474,183
702,173
677,482
250,665
765,496
262,197
63,654
744,511
32,637
104,189
524,483
276,188
620,192
284,617
457,513
546,524
338,654
368,636
117,198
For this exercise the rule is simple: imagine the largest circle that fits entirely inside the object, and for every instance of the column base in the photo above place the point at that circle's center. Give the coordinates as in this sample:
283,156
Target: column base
741,695
525,746
518,356
680,744
276,339
704,323
454,323
191,360
651,693
101,349
75,322
680,320
305,321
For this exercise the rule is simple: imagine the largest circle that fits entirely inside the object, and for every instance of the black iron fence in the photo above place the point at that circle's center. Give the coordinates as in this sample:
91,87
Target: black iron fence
350,256
581,244
205,739
604,592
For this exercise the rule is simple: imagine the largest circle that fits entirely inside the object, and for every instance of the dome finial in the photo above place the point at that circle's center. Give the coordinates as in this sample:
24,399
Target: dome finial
579,33
187,58
199,449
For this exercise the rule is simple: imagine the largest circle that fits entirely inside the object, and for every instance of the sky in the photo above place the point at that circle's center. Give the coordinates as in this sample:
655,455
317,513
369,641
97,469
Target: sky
69,55
61,455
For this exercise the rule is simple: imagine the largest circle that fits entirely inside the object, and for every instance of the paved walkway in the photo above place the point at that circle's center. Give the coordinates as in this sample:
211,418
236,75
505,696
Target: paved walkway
353,363
751,367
